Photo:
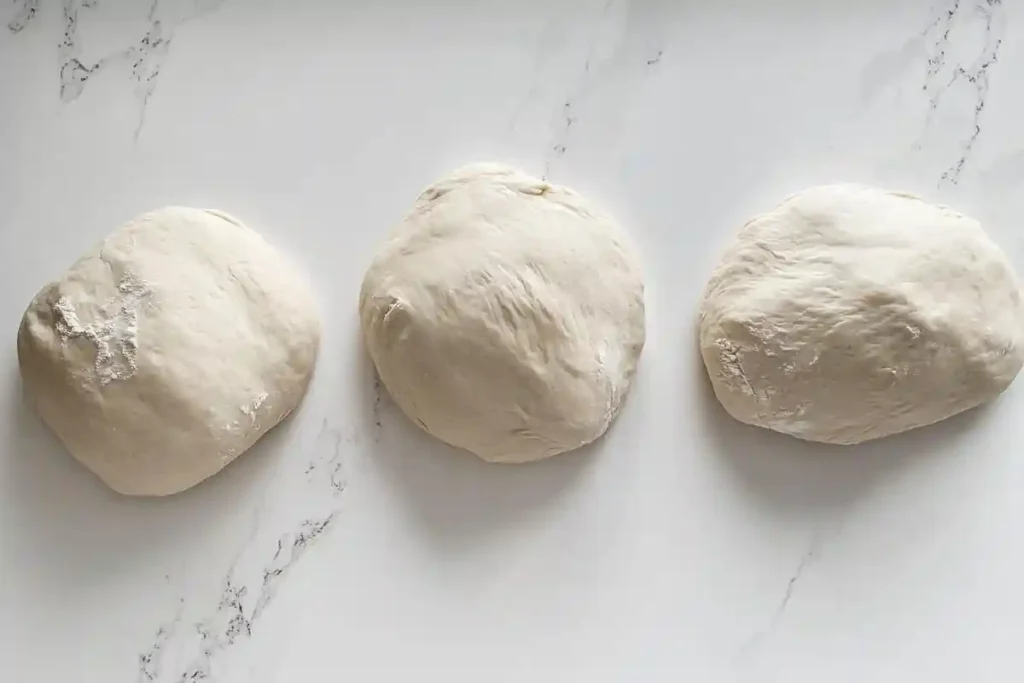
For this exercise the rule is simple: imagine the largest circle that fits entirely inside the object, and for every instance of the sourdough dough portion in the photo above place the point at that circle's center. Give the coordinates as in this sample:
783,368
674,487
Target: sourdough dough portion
505,315
849,313
165,353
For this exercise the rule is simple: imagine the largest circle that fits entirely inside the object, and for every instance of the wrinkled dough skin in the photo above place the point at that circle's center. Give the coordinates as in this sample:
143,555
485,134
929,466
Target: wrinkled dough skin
849,313
505,315
170,349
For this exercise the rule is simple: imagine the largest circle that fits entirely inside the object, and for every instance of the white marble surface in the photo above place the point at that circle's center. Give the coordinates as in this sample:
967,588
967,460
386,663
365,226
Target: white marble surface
347,546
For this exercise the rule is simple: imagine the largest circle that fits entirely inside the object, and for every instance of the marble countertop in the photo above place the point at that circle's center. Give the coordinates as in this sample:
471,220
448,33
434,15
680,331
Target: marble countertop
347,545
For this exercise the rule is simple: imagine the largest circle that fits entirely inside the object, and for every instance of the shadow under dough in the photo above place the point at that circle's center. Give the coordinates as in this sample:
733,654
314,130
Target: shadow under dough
454,496
786,475
60,517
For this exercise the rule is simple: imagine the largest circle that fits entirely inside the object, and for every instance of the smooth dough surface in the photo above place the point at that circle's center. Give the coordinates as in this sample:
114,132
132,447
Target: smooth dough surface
850,313
505,315
166,352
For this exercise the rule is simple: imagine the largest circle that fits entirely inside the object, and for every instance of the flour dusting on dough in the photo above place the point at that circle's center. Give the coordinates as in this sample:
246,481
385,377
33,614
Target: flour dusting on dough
114,332
253,406
249,410
391,309
732,364
609,360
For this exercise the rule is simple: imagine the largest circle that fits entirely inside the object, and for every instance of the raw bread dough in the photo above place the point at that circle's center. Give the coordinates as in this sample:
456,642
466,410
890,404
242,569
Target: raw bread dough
166,352
849,313
505,315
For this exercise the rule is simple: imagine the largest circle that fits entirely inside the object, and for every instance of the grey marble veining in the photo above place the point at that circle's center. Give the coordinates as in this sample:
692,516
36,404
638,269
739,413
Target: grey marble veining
140,59
188,645
26,11
608,49
958,79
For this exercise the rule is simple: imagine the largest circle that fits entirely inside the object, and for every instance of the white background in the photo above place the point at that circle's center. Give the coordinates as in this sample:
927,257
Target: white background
349,546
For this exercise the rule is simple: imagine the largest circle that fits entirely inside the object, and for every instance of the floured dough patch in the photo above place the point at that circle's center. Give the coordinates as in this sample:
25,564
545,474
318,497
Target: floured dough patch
251,409
114,332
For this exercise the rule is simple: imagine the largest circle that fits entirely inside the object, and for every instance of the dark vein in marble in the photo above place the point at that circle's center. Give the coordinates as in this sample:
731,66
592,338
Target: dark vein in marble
376,402
144,58
943,24
559,147
235,617
147,60
335,475
812,552
791,584
150,661
290,548
23,17
378,408
232,621
566,118
73,74
986,17
619,59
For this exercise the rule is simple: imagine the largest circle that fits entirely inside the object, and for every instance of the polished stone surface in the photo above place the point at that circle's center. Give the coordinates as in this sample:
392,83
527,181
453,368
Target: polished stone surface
349,546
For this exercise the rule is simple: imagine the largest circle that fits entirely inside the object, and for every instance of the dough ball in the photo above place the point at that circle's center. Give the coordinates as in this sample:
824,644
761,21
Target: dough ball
505,315
850,313
166,352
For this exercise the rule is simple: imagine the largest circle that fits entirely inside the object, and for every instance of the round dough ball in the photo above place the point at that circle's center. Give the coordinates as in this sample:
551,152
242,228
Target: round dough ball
849,313
166,352
505,315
